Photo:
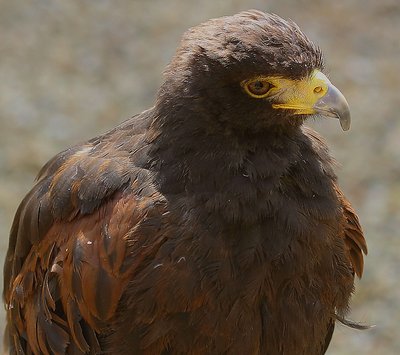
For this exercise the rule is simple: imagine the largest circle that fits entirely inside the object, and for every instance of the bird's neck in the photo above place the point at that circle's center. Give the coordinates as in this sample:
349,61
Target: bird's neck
239,178
200,161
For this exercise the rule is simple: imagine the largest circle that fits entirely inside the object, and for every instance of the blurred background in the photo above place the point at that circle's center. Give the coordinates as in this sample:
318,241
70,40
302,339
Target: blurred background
70,70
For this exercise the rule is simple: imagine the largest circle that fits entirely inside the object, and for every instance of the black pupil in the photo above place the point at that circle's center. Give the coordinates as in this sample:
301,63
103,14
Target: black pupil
258,85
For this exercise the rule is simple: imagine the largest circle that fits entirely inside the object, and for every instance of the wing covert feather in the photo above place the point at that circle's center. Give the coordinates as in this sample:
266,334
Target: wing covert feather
66,266
353,235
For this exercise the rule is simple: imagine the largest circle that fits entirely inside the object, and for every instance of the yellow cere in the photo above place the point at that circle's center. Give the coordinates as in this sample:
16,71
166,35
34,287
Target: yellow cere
297,95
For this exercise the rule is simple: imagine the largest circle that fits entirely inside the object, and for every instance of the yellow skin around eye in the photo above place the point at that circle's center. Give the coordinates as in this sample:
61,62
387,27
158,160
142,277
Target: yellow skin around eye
297,95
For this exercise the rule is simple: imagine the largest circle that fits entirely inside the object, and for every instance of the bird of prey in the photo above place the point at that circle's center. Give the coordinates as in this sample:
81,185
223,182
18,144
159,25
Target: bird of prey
212,223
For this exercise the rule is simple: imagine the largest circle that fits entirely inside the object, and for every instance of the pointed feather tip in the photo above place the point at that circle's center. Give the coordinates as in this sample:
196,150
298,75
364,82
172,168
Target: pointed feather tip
354,325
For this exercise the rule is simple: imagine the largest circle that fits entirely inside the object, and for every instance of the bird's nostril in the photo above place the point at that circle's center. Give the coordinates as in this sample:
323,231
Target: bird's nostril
318,89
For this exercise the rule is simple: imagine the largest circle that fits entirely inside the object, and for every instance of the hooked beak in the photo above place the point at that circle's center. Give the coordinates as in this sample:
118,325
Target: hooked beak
334,104
312,95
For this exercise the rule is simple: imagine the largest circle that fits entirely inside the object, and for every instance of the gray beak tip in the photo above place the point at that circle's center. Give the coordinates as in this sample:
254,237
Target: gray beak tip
345,123
334,104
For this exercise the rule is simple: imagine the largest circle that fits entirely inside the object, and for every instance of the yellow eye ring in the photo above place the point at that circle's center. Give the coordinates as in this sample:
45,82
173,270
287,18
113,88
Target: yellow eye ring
257,88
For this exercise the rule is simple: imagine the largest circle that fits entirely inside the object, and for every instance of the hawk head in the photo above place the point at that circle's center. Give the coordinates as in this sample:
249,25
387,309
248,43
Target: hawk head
249,72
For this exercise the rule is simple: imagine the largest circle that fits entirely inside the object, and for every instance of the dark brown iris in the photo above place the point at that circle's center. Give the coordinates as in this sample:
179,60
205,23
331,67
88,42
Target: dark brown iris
259,87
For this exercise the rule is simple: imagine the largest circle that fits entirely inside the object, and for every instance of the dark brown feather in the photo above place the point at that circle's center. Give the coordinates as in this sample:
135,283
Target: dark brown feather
208,224
354,236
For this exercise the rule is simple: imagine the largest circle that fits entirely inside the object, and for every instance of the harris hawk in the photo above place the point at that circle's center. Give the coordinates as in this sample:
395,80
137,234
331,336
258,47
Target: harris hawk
211,223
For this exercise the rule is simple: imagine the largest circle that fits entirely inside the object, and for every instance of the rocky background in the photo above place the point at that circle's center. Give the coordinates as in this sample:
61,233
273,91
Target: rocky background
70,70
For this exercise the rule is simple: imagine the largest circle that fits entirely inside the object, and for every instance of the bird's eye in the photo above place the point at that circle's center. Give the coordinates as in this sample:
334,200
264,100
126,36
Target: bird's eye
258,88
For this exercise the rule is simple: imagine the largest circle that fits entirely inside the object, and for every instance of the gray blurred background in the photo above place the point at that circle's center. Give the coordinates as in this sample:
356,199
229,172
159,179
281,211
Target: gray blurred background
71,70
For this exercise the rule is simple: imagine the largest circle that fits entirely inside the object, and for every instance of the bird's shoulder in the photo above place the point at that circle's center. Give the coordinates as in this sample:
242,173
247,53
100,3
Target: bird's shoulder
80,179
71,236
351,230
353,234
314,149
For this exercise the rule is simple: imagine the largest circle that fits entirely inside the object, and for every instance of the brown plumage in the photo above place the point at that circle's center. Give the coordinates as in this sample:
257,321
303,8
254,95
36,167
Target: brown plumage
211,223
